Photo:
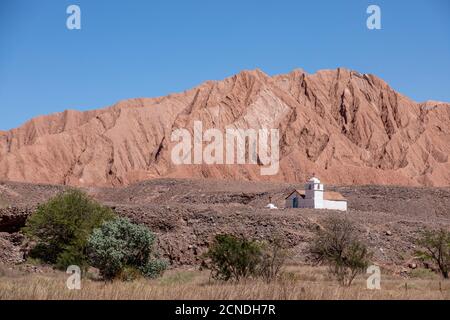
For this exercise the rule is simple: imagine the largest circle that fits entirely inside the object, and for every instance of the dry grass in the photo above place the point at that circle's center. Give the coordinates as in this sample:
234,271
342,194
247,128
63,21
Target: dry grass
297,283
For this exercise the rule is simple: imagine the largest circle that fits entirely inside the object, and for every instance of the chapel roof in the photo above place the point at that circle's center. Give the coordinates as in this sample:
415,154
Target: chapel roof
327,195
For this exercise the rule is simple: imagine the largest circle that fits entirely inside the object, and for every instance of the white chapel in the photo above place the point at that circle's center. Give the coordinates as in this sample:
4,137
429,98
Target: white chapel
315,197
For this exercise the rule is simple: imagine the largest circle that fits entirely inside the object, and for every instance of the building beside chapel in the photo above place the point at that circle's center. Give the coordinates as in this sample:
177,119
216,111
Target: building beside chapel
315,197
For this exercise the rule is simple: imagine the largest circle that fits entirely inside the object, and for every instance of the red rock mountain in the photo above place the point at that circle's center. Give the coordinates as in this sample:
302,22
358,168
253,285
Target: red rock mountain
347,127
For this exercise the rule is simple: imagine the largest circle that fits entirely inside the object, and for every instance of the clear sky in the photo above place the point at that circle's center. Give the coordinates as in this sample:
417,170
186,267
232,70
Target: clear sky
128,49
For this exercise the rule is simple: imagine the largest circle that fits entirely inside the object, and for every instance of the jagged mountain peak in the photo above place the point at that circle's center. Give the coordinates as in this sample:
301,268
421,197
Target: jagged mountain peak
346,126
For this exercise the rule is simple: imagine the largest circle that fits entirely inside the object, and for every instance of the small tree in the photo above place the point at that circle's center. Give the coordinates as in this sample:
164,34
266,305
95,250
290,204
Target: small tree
120,245
436,246
62,225
273,258
337,245
233,258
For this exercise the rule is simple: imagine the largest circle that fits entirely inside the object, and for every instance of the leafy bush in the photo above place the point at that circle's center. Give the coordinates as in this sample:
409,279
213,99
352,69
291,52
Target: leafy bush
233,258
62,226
153,268
337,245
436,246
236,258
120,245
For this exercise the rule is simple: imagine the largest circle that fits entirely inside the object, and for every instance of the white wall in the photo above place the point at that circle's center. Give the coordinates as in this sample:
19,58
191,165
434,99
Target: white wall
316,191
316,203
335,205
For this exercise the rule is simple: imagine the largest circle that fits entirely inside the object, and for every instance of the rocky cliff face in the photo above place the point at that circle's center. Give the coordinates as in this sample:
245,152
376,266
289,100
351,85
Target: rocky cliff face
348,128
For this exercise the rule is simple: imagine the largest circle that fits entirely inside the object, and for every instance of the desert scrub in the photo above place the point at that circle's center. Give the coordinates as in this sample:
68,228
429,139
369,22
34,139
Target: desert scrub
121,249
273,259
436,248
62,226
236,258
233,258
337,245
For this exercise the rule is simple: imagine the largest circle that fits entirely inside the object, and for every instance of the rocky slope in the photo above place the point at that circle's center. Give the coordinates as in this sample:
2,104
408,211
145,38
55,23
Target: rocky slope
187,214
349,128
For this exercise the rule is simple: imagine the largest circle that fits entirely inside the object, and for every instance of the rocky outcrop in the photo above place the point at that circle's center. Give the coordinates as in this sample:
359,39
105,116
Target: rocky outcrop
10,249
12,219
187,214
347,127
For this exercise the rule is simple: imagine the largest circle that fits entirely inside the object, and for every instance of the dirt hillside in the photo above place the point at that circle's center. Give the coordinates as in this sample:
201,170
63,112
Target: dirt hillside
349,127
187,214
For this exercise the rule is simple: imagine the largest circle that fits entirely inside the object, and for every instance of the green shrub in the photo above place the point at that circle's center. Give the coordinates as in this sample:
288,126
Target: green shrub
120,244
153,269
337,245
436,246
233,258
62,226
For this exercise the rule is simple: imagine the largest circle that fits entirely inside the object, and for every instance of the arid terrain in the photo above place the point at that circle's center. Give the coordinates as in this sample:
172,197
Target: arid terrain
350,127
187,214
387,154
296,283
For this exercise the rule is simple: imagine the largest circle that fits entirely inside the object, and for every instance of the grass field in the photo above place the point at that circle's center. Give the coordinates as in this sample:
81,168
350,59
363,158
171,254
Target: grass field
297,283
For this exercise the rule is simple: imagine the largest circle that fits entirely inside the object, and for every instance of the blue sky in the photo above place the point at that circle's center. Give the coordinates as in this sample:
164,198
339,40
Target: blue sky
134,48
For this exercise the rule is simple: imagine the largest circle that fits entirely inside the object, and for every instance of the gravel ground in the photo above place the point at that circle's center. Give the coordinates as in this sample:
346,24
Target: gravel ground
186,215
